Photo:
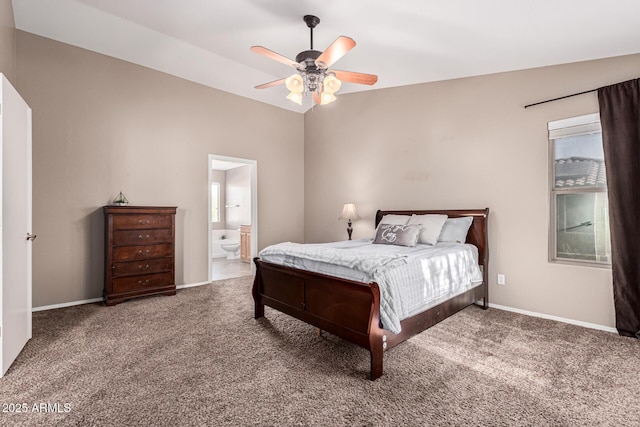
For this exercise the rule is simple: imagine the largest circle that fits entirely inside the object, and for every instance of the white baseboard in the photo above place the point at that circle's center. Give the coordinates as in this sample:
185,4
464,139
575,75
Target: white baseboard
556,318
92,300
67,304
191,285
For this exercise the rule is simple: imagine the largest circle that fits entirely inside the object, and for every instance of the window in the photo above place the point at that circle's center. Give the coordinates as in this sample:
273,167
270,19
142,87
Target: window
579,231
215,202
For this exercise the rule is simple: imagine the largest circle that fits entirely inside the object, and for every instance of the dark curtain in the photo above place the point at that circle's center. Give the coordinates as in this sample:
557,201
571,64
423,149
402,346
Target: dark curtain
620,119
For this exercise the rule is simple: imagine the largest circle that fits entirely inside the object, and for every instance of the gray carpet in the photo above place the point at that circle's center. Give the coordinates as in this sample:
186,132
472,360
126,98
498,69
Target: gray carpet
199,358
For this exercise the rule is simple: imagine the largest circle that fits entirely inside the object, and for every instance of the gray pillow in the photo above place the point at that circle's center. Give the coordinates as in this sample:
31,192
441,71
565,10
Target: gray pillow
397,234
455,229
392,219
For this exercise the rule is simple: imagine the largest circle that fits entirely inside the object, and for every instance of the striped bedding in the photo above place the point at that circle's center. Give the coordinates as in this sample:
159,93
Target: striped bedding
411,279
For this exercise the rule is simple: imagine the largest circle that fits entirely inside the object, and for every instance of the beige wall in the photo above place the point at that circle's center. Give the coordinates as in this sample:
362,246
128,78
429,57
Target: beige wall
466,143
238,192
220,176
7,41
102,125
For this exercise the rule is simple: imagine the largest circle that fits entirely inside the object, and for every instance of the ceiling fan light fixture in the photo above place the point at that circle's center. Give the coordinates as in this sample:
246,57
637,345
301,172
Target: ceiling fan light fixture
331,84
294,83
295,97
327,98
313,74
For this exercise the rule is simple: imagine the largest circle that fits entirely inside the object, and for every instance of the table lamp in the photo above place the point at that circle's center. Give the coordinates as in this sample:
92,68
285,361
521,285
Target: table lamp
349,213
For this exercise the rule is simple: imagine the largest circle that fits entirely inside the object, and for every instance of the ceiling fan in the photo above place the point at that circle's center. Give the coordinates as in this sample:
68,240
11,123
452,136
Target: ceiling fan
312,69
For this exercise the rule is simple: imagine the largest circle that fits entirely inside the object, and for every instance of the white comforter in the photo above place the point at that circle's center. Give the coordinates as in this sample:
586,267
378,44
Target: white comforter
410,279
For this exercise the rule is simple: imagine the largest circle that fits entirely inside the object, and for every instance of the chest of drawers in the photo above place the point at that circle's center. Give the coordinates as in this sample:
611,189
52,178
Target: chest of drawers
139,252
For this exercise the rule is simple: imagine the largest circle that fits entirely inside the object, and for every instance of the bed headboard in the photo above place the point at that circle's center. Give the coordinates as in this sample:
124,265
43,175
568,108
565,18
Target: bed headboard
478,232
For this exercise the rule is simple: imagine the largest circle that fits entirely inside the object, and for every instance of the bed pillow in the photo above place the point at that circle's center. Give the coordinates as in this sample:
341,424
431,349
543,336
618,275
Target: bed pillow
395,219
397,234
455,229
431,227
392,219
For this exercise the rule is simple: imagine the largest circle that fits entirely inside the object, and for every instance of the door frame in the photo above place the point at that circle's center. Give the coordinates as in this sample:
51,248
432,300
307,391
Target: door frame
254,206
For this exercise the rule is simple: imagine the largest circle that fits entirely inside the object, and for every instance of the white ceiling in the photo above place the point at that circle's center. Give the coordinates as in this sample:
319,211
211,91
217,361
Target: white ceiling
404,42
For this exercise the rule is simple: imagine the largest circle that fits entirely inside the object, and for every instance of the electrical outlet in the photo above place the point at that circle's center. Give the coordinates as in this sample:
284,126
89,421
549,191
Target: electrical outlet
501,280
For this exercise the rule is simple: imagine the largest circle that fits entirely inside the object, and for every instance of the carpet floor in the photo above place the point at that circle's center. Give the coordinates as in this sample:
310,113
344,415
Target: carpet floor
200,359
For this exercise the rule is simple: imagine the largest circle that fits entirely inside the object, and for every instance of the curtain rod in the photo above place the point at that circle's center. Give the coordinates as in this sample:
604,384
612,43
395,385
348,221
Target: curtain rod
562,97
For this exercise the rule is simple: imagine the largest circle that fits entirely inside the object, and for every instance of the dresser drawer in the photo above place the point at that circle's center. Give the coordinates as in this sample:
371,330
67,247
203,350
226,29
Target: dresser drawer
131,253
134,222
148,266
145,281
134,237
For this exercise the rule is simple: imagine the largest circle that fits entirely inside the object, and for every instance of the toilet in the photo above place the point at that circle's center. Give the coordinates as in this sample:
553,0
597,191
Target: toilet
232,247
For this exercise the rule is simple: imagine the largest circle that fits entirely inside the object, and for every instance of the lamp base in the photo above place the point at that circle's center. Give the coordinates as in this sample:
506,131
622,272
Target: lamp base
349,229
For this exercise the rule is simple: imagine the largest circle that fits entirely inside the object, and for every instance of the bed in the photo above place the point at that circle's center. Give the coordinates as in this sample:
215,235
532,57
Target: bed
351,309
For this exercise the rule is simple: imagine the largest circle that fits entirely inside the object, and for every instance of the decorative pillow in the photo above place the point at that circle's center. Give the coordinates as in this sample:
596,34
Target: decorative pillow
397,234
455,229
431,227
392,219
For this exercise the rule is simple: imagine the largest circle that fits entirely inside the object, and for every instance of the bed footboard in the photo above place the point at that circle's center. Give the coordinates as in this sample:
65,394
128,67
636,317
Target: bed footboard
350,310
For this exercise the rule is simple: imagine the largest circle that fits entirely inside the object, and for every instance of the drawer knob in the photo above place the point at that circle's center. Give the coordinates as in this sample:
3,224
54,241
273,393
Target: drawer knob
141,267
140,282
140,236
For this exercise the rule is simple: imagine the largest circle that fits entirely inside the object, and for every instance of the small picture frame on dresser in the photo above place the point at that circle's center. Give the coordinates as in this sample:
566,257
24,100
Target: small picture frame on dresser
139,252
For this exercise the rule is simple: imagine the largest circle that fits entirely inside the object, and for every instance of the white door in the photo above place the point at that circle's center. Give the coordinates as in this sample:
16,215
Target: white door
15,224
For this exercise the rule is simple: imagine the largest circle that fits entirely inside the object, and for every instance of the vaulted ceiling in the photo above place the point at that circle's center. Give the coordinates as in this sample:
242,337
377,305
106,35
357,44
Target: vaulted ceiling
403,42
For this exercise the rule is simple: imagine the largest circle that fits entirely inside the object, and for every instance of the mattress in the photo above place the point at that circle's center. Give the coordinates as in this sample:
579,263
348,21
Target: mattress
411,279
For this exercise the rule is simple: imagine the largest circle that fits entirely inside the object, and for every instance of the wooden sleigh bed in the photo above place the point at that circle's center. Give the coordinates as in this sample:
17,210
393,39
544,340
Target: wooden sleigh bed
351,310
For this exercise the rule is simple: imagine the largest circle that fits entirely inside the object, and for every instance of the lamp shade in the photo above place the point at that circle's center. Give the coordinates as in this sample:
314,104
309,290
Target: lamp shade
294,83
327,98
349,211
331,84
295,97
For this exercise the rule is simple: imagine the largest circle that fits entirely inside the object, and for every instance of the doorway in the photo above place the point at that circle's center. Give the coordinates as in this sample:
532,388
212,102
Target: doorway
232,216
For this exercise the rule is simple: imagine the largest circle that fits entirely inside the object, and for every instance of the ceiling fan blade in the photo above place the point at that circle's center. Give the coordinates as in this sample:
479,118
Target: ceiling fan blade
275,56
273,83
316,98
335,51
351,77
